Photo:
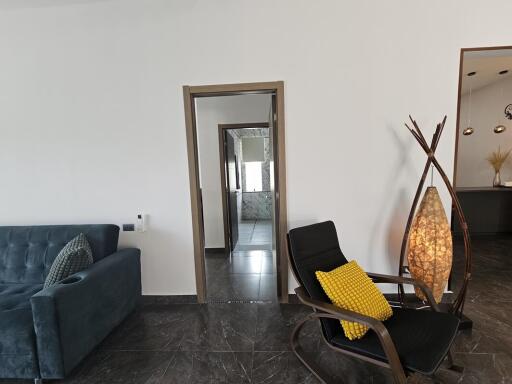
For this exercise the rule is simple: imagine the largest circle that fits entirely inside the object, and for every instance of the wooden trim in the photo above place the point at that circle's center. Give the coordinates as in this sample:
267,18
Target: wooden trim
324,310
223,176
223,185
281,207
495,48
459,92
234,89
189,94
195,195
457,126
243,125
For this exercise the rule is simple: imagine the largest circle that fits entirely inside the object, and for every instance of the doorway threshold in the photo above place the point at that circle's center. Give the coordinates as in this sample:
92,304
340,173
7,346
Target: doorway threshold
241,301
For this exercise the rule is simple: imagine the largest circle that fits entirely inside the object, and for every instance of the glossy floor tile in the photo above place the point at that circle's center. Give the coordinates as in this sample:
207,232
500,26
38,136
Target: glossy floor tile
254,235
241,276
249,343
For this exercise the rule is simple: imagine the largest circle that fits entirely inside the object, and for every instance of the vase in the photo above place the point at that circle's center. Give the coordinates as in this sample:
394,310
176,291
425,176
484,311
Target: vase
497,180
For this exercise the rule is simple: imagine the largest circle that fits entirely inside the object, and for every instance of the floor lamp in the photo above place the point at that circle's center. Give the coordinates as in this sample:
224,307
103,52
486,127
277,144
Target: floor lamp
457,306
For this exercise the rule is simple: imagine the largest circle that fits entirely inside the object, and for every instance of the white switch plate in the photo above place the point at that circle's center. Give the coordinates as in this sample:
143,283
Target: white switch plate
141,223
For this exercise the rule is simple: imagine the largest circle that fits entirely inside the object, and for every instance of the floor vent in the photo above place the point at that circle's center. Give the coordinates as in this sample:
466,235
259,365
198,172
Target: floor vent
239,301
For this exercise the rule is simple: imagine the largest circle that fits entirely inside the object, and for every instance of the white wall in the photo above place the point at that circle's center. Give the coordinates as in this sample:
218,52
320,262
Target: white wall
210,112
92,124
487,111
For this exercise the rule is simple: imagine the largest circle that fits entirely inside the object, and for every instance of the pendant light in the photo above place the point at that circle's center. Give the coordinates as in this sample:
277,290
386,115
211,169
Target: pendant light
469,129
430,244
500,128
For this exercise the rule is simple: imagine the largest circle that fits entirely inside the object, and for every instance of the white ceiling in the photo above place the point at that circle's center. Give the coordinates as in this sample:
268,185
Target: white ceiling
486,64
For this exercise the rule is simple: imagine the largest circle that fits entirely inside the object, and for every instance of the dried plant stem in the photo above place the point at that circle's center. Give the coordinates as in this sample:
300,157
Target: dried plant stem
457,306
498,158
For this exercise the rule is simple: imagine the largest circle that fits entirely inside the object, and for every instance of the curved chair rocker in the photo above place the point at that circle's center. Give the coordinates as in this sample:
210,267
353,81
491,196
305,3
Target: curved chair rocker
410,341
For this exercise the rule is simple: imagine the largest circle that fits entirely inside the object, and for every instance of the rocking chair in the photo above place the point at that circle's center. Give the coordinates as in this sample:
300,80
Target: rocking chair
411,341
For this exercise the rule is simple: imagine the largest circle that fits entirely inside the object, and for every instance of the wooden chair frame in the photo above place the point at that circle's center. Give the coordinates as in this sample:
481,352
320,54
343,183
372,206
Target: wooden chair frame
330,311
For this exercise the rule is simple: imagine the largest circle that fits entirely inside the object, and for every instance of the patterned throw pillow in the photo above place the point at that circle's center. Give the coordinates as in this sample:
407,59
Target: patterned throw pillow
349,287
74,257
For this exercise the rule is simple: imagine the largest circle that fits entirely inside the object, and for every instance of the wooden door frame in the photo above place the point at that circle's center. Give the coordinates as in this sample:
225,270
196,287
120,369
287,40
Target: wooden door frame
190,93
223,176
459,92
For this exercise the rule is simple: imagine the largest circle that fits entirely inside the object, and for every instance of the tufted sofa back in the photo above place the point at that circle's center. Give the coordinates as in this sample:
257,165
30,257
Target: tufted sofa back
27,253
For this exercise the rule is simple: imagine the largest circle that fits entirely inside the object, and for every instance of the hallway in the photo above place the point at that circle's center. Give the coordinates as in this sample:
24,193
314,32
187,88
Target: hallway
247,274
254,235
243,276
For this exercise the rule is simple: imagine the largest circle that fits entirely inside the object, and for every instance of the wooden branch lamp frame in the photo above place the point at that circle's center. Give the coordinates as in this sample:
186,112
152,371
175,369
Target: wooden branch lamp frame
457,306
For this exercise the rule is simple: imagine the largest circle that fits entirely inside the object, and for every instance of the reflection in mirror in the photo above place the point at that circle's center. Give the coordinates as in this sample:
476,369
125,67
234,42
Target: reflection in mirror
485,116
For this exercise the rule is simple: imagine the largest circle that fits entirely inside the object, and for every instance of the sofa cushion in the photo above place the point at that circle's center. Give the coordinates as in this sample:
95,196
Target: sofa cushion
74,257
17,337
27,253
17,296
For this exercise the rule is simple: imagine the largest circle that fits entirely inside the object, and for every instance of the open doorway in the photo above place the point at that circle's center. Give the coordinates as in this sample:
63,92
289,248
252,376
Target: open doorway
235,136
247,183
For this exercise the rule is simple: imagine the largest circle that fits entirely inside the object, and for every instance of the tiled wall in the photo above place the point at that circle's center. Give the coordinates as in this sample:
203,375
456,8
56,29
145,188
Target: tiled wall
258,205
238,154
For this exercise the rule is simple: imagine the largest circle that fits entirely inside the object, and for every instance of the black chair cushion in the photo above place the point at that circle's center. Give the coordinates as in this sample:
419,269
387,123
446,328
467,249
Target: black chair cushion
316,248
422,339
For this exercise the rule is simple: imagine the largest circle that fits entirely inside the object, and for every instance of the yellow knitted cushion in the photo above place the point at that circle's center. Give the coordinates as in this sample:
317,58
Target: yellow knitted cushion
349,287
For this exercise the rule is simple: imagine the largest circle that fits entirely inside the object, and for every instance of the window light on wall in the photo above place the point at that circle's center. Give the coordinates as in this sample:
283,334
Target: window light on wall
253,176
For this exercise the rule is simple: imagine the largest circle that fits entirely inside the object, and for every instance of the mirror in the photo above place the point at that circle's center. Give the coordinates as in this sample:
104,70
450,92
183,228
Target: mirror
484,119
483,157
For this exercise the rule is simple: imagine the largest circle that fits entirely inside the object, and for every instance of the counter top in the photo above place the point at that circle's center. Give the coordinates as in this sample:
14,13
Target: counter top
484,189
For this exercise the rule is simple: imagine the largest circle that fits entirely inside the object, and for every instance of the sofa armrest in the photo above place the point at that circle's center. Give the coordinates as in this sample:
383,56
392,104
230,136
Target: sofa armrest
75,315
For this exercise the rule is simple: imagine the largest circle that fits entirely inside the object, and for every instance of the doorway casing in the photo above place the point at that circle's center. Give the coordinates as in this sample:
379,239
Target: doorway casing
190,93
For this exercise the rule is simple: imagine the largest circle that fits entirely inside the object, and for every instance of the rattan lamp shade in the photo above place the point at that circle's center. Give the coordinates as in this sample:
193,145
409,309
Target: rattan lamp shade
430,245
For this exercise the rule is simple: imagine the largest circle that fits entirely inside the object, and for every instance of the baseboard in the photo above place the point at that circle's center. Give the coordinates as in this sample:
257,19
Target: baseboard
168,299
292,298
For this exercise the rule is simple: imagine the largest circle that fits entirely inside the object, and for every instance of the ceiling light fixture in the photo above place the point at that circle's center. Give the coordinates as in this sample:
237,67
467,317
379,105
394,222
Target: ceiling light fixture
500,128
469,129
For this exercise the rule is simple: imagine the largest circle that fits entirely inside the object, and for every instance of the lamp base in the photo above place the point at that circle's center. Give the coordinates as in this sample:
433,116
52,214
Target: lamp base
465,323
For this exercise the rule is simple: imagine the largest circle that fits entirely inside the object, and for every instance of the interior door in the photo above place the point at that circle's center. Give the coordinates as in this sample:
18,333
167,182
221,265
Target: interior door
232,191
272,123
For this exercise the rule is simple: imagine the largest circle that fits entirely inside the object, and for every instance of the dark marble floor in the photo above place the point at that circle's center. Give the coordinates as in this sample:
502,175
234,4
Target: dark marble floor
248,343
242,276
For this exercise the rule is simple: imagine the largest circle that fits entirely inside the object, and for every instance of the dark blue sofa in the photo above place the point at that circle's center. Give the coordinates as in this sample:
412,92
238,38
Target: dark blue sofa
45,333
